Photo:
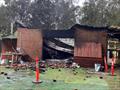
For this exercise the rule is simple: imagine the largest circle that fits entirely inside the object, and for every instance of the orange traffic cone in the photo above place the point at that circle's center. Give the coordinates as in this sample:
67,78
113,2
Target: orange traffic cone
37,81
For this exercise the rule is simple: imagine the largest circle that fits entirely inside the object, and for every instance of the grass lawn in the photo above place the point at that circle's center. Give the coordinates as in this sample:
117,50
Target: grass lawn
65,80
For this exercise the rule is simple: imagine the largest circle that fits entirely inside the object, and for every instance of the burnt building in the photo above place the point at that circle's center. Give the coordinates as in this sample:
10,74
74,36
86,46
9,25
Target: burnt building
8,46
29,42
90,45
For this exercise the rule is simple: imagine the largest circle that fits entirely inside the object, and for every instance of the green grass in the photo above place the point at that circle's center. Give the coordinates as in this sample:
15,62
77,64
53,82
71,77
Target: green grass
114,81
66,80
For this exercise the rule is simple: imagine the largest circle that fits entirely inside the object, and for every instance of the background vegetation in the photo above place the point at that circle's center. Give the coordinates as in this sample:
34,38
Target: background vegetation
58,14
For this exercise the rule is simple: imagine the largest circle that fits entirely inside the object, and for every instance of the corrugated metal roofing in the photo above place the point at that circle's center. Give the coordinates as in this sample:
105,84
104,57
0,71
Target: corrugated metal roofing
58,33
87,27
112,31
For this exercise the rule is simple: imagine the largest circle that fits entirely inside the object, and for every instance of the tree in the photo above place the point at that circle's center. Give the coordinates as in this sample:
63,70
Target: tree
53,14
65,14
94,12
4,21
114,12
101,12
42,14
12,11
45,14
18,10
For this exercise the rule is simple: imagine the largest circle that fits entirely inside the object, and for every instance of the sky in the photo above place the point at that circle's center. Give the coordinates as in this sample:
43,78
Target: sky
1,2
80,2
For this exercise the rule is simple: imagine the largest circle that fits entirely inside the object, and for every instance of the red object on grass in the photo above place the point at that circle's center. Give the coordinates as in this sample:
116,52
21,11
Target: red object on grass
37,72
37,69
112,67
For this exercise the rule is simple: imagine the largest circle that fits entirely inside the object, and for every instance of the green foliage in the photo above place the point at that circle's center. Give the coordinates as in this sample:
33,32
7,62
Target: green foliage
101,12
58,14
45,14
48,14
4,21
12,10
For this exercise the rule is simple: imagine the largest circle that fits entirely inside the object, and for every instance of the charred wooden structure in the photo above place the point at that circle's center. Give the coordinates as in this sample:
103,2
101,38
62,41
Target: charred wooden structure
90,45
113,48
50,51
8,46
29,42
9,43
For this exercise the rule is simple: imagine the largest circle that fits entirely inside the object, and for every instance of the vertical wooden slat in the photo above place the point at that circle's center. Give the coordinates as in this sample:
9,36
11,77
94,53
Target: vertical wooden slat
89,50
30,41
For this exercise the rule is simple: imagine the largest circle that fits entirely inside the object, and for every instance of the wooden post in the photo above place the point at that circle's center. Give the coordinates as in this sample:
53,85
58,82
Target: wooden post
3,56
106,66
12,60
112,67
